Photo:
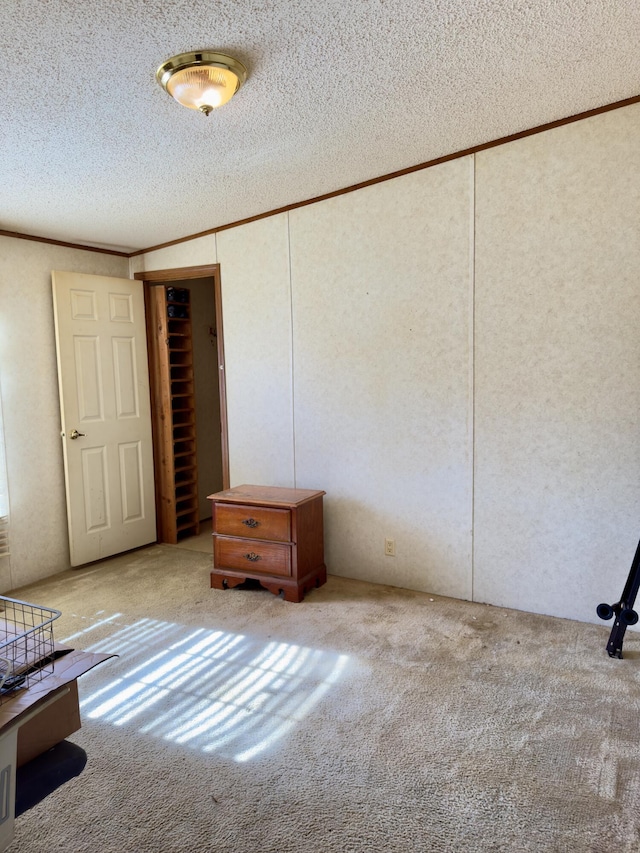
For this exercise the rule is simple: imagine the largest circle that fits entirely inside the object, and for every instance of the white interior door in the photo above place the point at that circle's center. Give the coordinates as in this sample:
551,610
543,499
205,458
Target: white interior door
106,420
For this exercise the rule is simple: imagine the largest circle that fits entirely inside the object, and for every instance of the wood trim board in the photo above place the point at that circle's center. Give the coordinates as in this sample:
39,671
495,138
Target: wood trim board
616,105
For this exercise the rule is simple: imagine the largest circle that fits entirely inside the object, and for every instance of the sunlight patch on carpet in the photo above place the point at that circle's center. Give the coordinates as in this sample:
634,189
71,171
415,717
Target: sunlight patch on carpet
213,691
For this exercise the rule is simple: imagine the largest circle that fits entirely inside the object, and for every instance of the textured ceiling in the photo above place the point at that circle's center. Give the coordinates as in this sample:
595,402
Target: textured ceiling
339,91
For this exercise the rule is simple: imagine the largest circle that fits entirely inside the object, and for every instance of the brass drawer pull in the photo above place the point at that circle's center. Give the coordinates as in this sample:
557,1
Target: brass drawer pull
251,522
252,557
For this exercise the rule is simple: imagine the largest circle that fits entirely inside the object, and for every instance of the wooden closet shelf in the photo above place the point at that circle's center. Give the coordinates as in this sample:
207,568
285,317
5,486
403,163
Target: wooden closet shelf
172,355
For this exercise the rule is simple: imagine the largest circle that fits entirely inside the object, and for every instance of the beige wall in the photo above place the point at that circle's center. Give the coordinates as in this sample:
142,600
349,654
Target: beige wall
453,356
193,253
256,304
381,283
557,484
29,385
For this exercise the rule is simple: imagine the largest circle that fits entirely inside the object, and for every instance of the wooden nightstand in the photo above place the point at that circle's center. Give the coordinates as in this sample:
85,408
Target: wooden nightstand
269,534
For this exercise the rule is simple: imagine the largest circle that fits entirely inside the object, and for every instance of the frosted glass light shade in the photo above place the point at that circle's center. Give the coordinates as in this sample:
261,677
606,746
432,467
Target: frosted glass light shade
201,81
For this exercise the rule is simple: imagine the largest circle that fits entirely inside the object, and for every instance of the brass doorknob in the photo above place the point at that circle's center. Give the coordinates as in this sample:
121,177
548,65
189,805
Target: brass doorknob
75,434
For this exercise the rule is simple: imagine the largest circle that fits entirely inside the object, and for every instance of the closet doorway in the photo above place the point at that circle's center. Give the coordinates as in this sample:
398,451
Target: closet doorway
185,472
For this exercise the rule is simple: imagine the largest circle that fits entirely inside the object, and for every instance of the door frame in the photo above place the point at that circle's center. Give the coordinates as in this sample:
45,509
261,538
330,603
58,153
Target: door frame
153,277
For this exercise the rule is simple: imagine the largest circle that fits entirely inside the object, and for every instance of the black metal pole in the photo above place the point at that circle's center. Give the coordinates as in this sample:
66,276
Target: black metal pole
623,610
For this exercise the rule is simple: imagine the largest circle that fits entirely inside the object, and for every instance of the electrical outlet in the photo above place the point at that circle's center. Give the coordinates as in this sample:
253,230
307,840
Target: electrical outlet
390,547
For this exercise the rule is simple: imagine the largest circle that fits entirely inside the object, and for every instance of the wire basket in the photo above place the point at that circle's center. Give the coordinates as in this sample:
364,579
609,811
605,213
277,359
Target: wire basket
26,644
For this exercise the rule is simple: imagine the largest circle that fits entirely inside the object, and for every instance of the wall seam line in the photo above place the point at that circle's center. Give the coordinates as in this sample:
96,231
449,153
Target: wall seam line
472,271
293,392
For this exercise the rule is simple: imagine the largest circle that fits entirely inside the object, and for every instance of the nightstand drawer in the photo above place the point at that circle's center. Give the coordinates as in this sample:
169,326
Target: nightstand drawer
252,556
252,521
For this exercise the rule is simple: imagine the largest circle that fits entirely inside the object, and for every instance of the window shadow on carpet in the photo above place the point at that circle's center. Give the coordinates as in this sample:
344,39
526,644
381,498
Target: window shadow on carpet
209,690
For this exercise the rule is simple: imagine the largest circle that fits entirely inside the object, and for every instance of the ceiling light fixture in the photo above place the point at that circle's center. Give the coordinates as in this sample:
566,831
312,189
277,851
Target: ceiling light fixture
202,80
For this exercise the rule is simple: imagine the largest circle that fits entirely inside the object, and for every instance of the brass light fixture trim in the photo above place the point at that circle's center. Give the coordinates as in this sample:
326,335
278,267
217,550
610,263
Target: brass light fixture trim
201,80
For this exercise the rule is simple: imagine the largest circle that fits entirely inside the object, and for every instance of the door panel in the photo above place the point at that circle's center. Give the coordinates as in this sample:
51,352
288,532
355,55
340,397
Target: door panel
104,395
88,379
124,371
95,489
131,481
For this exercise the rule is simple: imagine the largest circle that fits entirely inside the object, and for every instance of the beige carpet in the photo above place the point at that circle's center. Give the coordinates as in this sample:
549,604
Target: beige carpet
364,719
